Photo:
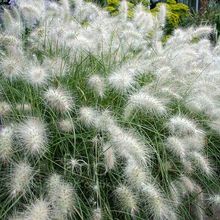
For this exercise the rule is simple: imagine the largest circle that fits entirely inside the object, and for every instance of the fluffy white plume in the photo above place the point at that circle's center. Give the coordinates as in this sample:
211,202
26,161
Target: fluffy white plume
215,199
33,136
109,156
162,15
11,67
38,210
5,108
127,199
122,81
202,163
146,103
36,75
143,20
59,99
66,125
20,179
176,146
62,197
6,143
97,214
97,84
32,11
89,116
128,145
181,126
158,206
135,174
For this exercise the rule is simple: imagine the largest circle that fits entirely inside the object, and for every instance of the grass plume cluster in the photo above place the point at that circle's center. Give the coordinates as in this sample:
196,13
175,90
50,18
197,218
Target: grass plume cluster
101,120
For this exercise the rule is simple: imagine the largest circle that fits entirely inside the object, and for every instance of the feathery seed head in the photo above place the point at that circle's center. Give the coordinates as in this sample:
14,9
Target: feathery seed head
124,9
75,164
162,15
97,84
143,20
156,202
11,67
215,199
62,197
21,179
5,108
6,149
202,163
59,99
176,146
97,214
88,116
187,183
135,174
32,11
37,76
181,126
202,31
121,81
145,103
109,156
128,145
126,198
33,136
39,210
66,125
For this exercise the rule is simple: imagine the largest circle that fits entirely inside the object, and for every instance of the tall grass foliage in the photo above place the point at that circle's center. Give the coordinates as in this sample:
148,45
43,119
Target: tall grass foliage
101,120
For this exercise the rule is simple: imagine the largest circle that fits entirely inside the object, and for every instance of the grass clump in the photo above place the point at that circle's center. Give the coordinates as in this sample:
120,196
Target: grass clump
101,120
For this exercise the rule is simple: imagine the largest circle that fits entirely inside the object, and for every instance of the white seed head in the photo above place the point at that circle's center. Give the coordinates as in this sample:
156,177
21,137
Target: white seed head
202,163
126,197
181,126
32,11
39,210
121,81
143,20
89,116
36,76
21,178
66,125
162,15
187,165
187,183
135,174
6,142
97,214
62,197
59,99
5,108
11,67
158,206
146,103
129,145
176,146
215,199
74,163
97,84
202,31
109,156
33,136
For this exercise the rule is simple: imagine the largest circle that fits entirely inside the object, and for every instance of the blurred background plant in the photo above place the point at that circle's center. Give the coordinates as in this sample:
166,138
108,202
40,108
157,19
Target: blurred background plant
208,16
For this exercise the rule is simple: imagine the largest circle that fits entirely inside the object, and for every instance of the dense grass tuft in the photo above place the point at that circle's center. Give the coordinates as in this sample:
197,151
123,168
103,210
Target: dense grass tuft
101,120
